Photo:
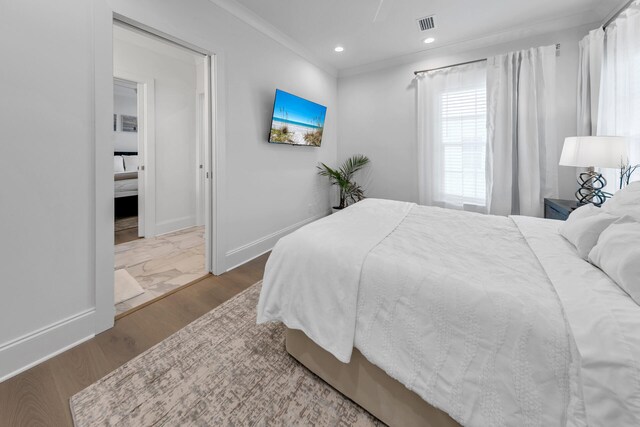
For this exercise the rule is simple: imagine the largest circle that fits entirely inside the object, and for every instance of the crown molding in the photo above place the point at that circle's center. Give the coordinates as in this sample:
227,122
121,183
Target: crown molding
611,12
258,23
466,45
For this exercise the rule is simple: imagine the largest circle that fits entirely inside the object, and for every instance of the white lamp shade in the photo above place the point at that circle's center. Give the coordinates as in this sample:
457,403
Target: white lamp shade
595,151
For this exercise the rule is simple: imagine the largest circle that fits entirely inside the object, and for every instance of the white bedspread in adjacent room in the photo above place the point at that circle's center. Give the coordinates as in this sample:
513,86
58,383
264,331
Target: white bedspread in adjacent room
124,186
457,307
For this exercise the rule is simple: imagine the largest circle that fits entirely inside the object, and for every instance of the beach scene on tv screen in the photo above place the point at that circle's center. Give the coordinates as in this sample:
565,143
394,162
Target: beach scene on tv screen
296,120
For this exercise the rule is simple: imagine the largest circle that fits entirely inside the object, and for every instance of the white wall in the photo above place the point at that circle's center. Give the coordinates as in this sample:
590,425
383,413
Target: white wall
378,111
46,218
174,74
125,102
48,255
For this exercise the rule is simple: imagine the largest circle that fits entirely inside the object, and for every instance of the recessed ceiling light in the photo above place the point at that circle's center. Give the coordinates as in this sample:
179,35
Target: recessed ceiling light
339,49
429,40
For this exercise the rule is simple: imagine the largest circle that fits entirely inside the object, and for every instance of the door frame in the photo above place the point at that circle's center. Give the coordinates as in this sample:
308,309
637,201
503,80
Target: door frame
200,158
215,149
146,102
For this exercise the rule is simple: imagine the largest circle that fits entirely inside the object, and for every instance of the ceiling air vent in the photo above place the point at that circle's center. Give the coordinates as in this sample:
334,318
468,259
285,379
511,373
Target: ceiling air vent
426,23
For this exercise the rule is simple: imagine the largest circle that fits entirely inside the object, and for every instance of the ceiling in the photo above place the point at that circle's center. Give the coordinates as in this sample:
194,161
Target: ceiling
319,26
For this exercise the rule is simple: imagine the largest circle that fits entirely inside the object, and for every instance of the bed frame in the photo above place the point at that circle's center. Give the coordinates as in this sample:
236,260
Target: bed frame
367,385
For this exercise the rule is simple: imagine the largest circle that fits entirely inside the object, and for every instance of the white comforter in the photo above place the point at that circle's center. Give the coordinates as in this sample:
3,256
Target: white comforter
125,187
454,305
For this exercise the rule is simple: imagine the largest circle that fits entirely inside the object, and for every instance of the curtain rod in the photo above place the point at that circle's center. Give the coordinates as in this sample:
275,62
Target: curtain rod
449,66
618,13
460,64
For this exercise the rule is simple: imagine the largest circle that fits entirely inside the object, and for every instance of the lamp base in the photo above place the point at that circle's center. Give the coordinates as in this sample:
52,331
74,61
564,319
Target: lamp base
590,191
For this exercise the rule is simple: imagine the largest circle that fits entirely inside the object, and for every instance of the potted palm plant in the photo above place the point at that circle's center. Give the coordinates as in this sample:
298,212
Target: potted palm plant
350,191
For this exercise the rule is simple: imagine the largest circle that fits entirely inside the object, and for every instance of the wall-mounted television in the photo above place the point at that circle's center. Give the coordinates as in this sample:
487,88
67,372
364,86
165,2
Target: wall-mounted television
296,121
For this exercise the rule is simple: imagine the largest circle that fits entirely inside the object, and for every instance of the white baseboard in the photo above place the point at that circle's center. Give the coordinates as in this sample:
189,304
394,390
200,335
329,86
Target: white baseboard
24,352
245,253
170,226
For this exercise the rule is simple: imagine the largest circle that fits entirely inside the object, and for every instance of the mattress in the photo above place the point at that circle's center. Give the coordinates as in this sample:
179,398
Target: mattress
478,315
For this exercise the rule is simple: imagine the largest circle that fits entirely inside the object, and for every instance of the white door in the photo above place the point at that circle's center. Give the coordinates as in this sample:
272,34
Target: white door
200,171
141,156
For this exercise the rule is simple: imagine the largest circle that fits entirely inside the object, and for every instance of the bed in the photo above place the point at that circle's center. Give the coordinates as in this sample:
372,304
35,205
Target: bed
125,181
428,316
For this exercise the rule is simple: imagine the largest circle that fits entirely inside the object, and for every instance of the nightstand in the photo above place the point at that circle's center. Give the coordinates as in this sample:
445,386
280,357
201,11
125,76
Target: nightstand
559,209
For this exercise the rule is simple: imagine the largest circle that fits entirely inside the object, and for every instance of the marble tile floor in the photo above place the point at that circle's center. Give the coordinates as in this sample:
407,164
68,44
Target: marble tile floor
161,264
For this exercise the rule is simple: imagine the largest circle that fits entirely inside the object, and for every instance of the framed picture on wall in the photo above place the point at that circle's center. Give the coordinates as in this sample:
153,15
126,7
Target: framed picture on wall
128,123
115,122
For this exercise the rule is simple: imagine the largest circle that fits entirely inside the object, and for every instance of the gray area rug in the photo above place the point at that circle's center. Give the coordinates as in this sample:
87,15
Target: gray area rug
222,369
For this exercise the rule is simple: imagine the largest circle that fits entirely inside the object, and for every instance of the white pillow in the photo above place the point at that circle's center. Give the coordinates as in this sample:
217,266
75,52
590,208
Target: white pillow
118,164
583,212
625,202
618,255
130,163
583,227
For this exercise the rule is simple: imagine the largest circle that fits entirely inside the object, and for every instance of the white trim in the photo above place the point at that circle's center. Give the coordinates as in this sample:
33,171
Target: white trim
254,20
244,261
29,350
141,27
610,12
211,219
217,158
249,251
103,144
177,224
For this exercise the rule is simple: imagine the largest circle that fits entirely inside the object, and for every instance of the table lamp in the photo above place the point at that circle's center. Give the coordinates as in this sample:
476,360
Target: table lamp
590,152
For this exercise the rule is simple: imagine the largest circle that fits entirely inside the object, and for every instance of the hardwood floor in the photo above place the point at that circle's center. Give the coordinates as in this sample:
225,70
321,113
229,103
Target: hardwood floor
126,236
40,396
126,229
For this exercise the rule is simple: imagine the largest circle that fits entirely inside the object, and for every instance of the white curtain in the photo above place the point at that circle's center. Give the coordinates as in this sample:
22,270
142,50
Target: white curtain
522,150
619,108
452,137
589,80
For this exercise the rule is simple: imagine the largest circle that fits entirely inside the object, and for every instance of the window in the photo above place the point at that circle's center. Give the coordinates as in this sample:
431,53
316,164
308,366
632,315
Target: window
463,140
452,134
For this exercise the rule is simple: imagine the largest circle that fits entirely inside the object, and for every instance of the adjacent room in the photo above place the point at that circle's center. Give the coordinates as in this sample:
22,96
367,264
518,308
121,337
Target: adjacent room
158,160
297,213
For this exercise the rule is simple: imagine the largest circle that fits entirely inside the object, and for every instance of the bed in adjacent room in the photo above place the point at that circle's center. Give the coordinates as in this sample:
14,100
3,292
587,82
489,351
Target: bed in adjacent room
428,316
125,181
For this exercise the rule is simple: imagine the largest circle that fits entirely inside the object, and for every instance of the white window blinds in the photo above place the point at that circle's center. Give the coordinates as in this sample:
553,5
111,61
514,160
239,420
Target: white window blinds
453,137
463,142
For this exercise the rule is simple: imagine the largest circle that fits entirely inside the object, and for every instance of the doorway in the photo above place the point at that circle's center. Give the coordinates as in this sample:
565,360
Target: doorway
128,149
161,218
